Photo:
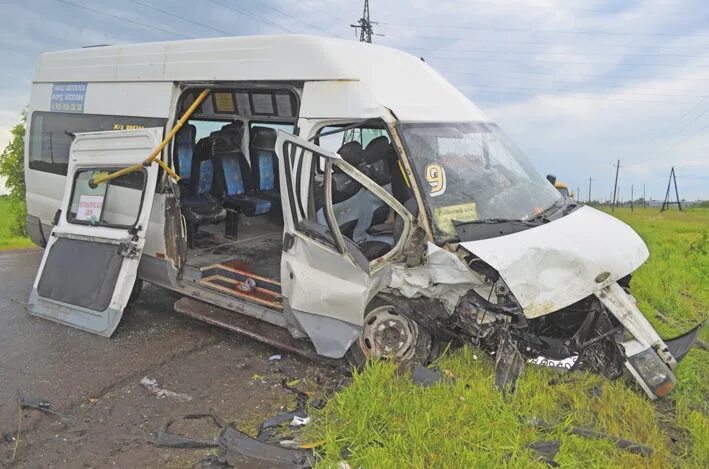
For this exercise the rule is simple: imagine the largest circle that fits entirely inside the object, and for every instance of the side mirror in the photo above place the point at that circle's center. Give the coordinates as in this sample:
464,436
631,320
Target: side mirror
551,178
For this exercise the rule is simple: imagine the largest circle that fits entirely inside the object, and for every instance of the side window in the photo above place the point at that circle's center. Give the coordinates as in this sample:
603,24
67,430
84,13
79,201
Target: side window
108,204
51,134
286,127
205,128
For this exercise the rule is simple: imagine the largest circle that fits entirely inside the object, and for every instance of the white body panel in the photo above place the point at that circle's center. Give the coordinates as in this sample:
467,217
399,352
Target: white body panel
392,78
554,265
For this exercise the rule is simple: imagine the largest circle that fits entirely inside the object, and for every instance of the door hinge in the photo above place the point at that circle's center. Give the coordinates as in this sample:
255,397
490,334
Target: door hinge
128,249
288,241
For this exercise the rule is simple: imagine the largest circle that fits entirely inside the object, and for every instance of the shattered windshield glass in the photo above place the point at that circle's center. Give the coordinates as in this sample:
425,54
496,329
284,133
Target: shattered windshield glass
472,173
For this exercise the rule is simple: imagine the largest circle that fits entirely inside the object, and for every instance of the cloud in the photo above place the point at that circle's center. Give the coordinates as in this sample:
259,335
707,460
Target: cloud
577,85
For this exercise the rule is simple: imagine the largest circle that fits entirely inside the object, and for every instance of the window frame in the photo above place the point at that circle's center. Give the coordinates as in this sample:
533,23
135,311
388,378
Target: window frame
69,219
61,169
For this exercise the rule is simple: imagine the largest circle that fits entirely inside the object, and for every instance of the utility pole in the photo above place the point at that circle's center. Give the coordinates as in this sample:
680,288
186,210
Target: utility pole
644,200
666,204
364,25
615,185
578,193
631,199
589,190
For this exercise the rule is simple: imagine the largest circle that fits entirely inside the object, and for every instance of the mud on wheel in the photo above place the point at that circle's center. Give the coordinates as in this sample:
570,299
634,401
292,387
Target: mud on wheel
390,334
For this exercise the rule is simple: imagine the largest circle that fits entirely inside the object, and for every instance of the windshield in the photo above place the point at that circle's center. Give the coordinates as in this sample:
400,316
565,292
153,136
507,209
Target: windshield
472,172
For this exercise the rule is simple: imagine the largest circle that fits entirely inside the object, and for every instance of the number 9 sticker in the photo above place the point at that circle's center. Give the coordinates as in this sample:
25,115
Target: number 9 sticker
436,178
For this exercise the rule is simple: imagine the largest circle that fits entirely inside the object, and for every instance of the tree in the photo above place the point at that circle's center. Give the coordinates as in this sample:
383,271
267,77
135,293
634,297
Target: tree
13,168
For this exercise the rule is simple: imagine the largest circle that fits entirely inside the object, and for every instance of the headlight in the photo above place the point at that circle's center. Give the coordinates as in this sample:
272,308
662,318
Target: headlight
651,372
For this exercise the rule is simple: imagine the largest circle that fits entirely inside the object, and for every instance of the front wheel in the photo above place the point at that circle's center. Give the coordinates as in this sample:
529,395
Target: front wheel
391,335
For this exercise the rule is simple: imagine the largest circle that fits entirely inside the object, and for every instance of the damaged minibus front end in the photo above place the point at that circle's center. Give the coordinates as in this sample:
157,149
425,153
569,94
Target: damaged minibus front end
555,295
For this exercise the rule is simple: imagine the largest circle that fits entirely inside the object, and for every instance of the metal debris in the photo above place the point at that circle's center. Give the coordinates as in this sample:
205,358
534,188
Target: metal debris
161,393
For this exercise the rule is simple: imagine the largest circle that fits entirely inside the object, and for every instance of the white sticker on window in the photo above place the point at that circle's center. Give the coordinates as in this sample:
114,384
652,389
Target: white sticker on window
436,178
90,207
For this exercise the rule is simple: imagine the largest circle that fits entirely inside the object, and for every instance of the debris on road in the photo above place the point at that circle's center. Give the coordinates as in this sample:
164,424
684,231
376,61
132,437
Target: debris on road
299,421
37,403
274,358
167,439
161,393
241,449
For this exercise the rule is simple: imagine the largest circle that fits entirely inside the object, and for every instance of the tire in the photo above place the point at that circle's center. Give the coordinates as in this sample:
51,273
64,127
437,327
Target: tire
135,292
389,334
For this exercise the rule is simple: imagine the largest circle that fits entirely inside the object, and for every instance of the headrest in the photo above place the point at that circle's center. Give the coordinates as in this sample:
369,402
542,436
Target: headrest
351,152
186,133
378,149
263,138
228,139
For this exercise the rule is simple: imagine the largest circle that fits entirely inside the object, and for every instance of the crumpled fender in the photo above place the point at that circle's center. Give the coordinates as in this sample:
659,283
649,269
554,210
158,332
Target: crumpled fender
552,266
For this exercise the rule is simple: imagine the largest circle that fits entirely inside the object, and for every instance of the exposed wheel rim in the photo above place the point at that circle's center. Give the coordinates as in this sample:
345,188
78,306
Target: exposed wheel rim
388,334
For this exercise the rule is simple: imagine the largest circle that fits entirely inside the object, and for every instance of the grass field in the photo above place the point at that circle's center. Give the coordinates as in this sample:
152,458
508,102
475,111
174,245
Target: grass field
7,239
384,420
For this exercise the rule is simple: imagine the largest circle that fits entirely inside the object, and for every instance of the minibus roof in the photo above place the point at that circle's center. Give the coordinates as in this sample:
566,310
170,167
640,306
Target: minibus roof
386,77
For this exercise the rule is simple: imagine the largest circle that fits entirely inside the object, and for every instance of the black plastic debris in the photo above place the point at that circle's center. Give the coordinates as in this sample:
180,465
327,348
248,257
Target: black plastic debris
425,376
622,443
679,346
242,450
269,426
166,439
546,451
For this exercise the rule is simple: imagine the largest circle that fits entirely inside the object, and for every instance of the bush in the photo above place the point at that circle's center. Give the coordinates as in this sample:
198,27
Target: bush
12,168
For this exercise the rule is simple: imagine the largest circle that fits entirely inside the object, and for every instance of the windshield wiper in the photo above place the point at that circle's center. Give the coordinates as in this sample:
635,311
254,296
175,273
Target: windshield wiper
555,207
495,221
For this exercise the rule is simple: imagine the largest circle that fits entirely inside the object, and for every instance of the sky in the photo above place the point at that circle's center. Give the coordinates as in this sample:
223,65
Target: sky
577,85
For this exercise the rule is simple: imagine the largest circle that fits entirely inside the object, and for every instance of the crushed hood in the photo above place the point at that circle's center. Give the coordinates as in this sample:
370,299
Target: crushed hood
556,264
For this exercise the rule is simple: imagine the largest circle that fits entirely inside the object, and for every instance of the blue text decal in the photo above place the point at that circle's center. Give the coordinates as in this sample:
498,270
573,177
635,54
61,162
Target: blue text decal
68,97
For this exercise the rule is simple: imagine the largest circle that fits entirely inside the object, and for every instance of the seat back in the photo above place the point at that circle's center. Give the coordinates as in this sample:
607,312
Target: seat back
184,151
202,171
377,159
232,174
264,162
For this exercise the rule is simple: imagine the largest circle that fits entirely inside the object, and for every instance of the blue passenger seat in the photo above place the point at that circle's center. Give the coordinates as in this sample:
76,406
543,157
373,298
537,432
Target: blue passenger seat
233,184
184,151
198,205
264,165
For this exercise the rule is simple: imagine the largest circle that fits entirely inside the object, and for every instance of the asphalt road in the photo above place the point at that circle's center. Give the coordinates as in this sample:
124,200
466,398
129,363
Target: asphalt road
96,380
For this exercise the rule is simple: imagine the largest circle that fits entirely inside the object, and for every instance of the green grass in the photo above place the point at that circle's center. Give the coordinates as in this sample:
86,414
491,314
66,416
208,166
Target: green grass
387,421
7,239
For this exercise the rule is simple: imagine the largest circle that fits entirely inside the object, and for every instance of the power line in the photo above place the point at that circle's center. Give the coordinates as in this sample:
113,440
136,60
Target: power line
556,62
288,15
252,15
496,72
581,94
189,20
518,52
525,30
127,20
588,91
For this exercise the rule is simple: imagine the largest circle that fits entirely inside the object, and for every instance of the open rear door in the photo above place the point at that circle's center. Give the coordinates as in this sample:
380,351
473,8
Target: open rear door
91,259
